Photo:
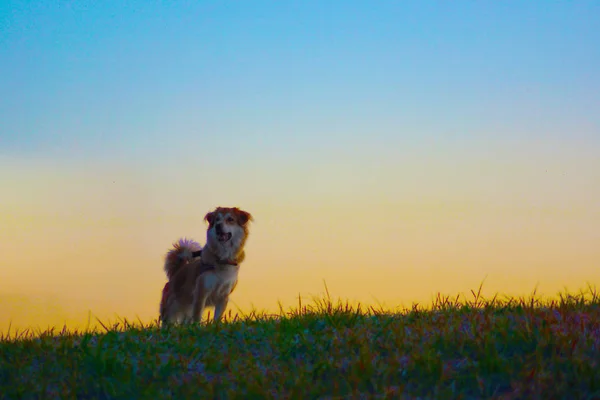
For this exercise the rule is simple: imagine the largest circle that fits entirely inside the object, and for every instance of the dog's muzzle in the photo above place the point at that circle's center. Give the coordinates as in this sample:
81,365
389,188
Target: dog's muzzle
222,236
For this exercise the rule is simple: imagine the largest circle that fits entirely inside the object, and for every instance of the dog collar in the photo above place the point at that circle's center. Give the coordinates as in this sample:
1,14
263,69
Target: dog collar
228,262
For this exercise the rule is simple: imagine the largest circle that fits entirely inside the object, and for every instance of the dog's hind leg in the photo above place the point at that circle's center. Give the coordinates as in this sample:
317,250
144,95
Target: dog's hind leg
165,315
186,315
173,313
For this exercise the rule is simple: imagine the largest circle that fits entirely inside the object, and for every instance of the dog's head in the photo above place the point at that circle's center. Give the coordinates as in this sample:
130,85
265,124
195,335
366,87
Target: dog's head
227,232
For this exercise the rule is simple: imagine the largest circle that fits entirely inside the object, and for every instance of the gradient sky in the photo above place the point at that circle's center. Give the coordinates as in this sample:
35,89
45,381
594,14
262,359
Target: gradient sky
392,149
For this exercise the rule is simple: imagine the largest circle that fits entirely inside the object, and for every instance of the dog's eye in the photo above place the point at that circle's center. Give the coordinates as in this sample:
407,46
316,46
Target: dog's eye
230,219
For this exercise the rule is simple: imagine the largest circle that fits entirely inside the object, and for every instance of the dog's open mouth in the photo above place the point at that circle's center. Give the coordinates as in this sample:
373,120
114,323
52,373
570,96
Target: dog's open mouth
224,237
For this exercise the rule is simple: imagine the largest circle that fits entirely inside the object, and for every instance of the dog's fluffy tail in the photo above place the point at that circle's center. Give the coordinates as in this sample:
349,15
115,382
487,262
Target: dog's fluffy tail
179,255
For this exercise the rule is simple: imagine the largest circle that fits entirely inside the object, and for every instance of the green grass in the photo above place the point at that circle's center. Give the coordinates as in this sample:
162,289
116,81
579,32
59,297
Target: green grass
456,348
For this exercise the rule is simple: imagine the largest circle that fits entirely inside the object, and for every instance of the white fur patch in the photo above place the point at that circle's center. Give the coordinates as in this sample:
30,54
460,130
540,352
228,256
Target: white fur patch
189,244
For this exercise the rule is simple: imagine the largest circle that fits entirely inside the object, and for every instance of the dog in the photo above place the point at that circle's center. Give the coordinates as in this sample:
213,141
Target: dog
200,277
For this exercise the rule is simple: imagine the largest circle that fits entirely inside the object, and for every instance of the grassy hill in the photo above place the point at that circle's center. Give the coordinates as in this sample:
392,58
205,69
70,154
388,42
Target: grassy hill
477,348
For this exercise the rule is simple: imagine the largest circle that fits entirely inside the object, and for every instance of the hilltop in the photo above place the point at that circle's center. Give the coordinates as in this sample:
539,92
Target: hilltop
478,348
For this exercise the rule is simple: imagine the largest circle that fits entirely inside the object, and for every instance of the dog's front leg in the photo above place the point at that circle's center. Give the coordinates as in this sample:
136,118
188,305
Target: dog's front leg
220,308
200,294
199,305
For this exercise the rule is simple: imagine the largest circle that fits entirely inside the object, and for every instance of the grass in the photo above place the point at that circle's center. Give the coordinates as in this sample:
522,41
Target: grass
474,348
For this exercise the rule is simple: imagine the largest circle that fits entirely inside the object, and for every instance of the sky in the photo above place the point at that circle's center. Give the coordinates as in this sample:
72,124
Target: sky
393,150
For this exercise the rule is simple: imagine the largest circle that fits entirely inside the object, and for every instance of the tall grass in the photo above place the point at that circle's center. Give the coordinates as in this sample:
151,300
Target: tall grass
457,347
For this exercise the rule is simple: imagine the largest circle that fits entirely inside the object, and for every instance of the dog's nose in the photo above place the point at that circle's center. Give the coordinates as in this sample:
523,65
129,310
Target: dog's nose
219,227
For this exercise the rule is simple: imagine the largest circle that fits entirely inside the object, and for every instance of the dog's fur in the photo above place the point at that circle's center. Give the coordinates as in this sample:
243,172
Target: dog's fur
208,280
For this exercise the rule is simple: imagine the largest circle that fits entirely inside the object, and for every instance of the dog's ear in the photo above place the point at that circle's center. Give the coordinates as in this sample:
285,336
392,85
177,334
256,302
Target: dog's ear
209,217
243,217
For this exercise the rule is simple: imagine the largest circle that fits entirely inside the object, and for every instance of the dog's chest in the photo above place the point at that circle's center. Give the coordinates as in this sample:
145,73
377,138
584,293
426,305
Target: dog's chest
224,284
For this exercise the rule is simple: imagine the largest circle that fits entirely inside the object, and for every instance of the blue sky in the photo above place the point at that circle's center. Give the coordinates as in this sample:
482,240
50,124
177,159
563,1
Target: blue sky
108,80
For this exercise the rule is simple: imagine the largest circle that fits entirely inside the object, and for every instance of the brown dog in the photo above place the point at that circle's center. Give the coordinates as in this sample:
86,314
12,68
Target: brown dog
205,277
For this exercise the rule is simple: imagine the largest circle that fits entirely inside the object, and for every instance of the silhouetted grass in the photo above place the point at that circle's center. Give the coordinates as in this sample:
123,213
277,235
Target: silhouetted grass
471,348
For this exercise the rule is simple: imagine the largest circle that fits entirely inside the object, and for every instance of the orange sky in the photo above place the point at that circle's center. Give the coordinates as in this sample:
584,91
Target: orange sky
91,236
394,151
